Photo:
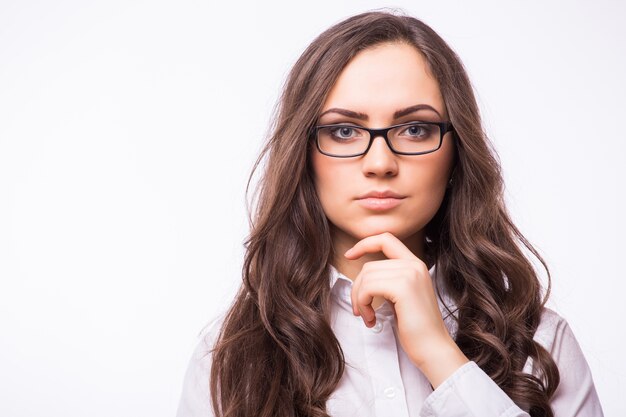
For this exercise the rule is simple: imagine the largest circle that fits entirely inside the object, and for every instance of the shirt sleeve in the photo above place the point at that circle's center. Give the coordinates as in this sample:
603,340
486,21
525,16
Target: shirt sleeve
195,400
469,391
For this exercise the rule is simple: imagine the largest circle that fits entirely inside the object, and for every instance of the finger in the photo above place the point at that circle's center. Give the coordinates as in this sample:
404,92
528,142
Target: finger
368,314
355,288
363,306
386,242
372,284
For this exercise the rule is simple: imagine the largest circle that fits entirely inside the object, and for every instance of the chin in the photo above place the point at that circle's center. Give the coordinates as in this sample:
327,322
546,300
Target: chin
398,230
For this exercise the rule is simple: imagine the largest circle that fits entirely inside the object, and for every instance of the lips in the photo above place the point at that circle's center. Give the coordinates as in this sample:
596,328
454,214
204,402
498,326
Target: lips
381,194
380,200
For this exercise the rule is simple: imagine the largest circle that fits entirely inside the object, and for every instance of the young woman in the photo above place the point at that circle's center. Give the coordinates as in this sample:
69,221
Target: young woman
383,275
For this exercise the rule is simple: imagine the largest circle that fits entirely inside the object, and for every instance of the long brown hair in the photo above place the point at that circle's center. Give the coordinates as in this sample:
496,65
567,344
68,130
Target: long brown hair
276,354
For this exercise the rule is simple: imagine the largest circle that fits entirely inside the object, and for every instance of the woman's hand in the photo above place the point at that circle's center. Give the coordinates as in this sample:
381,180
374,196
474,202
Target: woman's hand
405,282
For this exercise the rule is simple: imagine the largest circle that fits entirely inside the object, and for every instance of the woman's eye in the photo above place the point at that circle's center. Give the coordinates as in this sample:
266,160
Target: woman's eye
344,132
417,131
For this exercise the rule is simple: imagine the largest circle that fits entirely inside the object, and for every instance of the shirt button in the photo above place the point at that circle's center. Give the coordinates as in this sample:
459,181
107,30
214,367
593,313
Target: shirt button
390,392
378,327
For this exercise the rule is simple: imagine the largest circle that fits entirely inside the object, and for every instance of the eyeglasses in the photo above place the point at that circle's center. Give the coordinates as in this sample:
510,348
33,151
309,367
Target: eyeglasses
412,138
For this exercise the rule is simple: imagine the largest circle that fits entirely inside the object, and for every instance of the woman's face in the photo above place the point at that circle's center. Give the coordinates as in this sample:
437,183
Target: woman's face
377,83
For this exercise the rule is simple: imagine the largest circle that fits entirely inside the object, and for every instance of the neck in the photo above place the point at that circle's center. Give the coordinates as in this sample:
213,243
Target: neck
351,267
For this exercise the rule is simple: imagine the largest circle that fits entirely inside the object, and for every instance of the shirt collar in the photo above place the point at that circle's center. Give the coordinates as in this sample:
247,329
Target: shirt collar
336,275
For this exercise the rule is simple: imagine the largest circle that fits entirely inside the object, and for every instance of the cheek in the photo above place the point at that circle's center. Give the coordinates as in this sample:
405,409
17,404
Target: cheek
432,171
429,180
331,182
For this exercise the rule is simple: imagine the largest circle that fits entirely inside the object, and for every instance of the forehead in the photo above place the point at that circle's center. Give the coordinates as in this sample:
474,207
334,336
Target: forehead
384,78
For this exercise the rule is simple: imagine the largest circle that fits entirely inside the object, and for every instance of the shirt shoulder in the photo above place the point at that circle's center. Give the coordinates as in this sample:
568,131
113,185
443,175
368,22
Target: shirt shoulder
195,399
551,329
556,336
576,394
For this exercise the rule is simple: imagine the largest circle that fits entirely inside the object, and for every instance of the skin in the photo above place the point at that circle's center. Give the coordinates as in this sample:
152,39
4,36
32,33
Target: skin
382,251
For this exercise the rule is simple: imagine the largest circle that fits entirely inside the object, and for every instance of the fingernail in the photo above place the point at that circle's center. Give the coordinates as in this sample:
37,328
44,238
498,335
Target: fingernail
347,252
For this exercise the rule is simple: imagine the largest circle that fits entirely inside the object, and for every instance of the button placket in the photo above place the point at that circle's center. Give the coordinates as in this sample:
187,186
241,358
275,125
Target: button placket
390,392
382,356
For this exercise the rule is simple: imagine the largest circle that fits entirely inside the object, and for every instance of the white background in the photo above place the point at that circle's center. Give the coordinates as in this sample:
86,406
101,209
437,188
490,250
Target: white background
127,133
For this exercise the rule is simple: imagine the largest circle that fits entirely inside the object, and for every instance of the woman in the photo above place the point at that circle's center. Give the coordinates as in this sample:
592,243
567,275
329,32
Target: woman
383,275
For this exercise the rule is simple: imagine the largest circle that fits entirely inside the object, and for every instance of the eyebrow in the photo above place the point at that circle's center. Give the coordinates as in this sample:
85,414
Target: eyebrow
396,115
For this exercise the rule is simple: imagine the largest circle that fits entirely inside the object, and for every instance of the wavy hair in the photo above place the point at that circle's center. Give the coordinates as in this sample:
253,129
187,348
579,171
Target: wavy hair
276,354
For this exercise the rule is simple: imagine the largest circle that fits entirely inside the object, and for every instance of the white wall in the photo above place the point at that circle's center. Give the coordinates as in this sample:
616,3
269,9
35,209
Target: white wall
127,132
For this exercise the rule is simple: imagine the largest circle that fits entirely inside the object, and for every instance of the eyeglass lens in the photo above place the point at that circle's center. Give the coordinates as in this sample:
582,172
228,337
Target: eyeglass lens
348,140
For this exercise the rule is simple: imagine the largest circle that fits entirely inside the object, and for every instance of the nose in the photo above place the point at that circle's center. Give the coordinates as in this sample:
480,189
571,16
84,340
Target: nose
380,160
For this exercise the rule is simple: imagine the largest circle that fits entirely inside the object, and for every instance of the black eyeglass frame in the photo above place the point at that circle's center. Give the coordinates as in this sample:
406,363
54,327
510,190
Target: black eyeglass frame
444,127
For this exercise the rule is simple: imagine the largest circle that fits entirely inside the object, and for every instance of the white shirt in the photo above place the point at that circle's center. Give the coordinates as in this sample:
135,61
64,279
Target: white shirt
379,379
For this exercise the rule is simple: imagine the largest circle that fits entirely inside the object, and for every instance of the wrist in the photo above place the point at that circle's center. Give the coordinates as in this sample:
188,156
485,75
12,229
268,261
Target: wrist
438,361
